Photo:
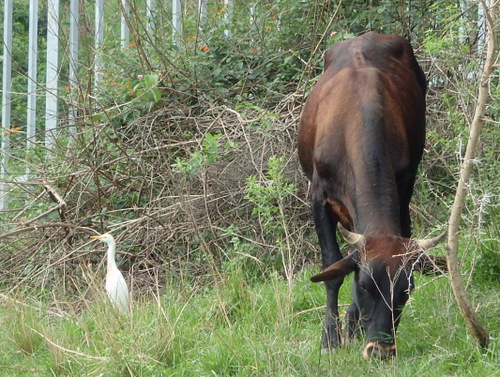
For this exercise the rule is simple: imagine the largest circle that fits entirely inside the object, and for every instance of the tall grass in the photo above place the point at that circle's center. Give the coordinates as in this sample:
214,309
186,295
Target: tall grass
236,328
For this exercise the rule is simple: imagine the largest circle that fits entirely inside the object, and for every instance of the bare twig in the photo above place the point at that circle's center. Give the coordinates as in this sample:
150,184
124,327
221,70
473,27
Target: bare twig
38,308
32,228
66,350
61,204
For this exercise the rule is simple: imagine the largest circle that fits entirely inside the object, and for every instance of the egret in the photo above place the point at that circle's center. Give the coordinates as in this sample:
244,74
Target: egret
116,286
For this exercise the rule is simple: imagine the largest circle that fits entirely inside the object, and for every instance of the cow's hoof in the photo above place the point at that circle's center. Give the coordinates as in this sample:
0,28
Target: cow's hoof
328,350
376,351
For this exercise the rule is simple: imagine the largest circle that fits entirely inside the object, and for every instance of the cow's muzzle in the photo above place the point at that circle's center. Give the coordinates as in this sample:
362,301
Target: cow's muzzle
374,350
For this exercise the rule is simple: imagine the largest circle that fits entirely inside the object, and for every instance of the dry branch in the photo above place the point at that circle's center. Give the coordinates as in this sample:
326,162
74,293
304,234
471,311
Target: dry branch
66,350
477,329
24,229
166,222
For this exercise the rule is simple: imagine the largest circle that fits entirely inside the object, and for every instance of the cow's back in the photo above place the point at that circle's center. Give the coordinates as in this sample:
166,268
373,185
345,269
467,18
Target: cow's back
369,78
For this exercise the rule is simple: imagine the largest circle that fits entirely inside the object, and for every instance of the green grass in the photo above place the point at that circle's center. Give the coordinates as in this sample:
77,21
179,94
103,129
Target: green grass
233,328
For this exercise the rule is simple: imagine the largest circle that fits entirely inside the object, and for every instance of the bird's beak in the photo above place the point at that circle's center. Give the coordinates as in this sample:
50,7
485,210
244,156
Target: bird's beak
96,237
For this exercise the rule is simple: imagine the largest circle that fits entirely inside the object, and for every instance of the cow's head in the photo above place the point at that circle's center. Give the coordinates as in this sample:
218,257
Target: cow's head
383,268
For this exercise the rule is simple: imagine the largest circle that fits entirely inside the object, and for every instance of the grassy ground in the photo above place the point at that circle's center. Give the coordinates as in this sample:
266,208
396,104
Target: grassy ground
233,328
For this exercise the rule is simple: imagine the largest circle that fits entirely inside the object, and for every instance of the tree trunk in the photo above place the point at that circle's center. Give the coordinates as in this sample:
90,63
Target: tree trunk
477,329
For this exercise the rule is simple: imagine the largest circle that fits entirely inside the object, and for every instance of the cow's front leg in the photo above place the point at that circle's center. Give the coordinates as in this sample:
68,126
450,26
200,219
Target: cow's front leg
332,327
405,191
325,222
352,325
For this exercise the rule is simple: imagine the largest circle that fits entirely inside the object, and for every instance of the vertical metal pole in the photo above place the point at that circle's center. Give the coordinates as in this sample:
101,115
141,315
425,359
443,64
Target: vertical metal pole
176,19
52,72
227,16
150,14
124,31
482,29
32,78
202,9
32,75
202,14
6,87
461,29
99,36
74,14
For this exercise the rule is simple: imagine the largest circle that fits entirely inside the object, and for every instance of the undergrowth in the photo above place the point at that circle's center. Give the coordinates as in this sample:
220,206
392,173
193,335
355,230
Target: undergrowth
234,327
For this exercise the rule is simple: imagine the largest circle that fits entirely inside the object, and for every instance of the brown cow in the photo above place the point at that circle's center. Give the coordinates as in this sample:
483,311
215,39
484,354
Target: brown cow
360,141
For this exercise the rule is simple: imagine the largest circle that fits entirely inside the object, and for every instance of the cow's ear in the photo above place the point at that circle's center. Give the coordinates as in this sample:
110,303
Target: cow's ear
431,265
338,269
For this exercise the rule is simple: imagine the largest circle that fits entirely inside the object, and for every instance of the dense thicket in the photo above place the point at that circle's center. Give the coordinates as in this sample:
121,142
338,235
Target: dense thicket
186,148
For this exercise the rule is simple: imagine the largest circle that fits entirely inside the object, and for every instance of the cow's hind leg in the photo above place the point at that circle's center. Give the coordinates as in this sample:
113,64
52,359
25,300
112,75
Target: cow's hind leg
325,222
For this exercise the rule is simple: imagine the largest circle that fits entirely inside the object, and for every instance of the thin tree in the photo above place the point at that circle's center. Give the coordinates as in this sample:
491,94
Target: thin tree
477,329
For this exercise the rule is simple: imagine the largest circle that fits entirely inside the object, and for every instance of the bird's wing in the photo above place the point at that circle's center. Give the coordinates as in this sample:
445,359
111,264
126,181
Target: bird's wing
117,289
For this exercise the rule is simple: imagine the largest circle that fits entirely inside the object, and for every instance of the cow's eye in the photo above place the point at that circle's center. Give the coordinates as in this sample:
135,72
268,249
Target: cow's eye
363,288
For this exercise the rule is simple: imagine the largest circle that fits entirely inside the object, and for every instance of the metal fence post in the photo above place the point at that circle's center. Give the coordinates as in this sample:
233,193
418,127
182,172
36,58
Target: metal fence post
150,15
176,19
74,14
99,37
6,87
124,30
32,74
51,85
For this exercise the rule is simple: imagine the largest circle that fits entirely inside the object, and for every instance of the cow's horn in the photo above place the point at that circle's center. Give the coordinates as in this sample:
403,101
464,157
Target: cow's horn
427,244
350,237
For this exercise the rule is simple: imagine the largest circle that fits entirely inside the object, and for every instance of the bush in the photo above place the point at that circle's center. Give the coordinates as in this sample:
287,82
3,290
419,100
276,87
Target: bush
186,149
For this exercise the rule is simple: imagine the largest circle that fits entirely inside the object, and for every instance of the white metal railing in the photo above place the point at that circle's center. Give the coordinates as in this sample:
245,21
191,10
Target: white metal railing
53,68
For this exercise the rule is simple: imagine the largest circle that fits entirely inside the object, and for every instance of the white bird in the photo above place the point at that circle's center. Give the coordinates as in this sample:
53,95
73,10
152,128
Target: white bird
116,286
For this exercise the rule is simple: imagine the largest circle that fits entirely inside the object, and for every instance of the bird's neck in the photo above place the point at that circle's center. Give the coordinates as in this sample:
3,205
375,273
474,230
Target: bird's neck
111,256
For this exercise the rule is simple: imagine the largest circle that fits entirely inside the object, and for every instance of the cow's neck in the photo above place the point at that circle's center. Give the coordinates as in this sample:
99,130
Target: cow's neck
376,201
